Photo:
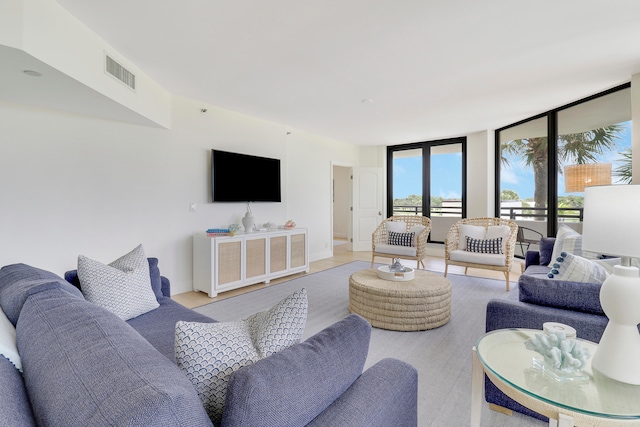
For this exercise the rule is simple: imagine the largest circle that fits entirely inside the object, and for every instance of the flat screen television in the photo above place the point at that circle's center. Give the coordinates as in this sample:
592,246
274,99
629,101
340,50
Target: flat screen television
239,177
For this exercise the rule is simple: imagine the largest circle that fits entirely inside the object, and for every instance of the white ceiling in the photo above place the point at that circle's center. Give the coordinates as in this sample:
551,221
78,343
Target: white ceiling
433,68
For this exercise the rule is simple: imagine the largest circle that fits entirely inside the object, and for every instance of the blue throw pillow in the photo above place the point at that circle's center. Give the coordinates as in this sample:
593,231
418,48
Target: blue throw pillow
546,249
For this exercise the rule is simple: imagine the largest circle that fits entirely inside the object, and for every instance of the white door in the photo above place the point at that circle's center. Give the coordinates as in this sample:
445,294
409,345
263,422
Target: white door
368,205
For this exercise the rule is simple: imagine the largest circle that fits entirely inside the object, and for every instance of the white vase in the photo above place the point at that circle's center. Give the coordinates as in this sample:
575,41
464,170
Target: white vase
247,222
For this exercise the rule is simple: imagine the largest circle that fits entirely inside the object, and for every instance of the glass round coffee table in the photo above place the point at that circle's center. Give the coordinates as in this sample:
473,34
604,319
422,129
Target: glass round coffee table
591,401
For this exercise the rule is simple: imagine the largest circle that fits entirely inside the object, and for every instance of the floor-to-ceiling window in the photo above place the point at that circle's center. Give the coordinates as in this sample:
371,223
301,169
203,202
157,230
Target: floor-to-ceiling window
591,145
428,178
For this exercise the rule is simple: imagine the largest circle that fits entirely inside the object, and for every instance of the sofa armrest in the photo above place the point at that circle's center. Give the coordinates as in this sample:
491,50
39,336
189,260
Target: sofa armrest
386,394
504,314
166,286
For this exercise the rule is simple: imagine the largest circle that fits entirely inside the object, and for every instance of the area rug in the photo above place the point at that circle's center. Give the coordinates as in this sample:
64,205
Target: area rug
442,356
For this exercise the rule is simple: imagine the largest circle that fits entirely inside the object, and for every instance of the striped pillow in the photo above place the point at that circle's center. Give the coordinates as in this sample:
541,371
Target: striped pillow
401,239
485,246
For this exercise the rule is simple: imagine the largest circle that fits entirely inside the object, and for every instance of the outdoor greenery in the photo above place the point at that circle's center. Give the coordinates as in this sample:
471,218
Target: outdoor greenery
509,195
415,200
575,148
624,170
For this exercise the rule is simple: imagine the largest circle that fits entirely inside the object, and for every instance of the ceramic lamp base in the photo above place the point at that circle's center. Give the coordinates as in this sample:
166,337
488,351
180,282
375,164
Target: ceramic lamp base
618,354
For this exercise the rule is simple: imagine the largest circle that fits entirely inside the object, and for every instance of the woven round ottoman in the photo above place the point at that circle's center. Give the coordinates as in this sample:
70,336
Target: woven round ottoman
413,305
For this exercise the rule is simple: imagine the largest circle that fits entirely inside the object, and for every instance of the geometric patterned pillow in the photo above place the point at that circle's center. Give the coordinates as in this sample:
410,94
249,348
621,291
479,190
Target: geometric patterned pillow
122,287
485,246
401,239
209,353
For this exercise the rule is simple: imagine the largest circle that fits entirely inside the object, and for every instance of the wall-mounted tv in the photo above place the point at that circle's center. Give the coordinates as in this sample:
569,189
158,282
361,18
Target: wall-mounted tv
239,177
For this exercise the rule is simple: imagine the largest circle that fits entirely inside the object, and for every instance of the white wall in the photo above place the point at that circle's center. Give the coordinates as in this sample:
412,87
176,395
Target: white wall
74,185
480,174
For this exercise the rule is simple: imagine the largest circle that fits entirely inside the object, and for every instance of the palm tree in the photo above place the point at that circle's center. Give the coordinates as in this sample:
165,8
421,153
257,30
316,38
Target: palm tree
624,170
573,148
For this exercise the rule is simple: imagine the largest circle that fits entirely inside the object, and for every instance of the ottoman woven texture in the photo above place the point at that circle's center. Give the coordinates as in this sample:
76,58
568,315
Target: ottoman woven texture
413,305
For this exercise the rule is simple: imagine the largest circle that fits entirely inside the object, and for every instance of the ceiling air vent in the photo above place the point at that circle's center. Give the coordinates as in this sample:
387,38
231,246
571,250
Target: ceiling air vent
119,72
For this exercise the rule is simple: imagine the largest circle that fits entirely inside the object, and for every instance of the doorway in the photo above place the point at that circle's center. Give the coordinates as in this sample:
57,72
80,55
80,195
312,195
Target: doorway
341,208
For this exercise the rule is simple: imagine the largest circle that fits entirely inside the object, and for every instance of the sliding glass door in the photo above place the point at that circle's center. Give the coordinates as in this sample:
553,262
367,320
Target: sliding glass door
427,178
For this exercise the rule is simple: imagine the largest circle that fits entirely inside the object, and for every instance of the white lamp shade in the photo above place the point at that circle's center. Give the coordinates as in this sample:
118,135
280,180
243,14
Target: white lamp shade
611,224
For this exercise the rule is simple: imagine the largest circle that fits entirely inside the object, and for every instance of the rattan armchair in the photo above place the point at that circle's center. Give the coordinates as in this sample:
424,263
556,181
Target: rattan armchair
492,263
382,248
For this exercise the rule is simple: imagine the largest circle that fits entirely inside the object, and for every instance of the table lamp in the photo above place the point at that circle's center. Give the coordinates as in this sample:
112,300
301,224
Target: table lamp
610,227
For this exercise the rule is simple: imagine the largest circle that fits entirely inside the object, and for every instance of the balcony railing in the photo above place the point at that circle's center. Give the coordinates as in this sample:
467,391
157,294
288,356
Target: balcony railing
540,214
435,211
514,213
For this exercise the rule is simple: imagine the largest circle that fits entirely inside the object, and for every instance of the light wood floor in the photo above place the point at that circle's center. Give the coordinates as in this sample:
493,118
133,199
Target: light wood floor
342,256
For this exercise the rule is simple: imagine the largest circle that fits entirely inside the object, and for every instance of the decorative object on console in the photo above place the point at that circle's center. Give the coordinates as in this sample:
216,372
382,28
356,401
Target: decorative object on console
289,224
564,357
578,177
219,232
610,213
247,220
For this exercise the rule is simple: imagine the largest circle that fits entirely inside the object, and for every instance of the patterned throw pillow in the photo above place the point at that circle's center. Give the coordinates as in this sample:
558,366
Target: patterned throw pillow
485,246
573,268
401,239
209,353
567,240
122,287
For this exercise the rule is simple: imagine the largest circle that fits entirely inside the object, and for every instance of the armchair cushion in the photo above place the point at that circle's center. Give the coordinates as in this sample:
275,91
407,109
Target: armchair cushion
417,229
534,287
401,239
499,231
473,231
396,226
478,258
384,248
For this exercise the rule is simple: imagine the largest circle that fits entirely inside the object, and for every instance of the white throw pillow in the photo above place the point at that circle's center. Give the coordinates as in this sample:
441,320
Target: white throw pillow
123,287
396,226
567,240
473,231
574,268
209,353
499,231
8,346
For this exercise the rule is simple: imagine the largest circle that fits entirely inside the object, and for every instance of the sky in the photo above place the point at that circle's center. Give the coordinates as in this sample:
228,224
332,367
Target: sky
446,181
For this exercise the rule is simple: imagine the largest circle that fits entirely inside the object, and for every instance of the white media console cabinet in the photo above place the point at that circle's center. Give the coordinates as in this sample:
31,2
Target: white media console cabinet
222,263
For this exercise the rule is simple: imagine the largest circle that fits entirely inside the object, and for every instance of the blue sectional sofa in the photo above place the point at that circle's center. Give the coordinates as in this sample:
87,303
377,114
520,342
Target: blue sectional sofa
540,300
82,365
